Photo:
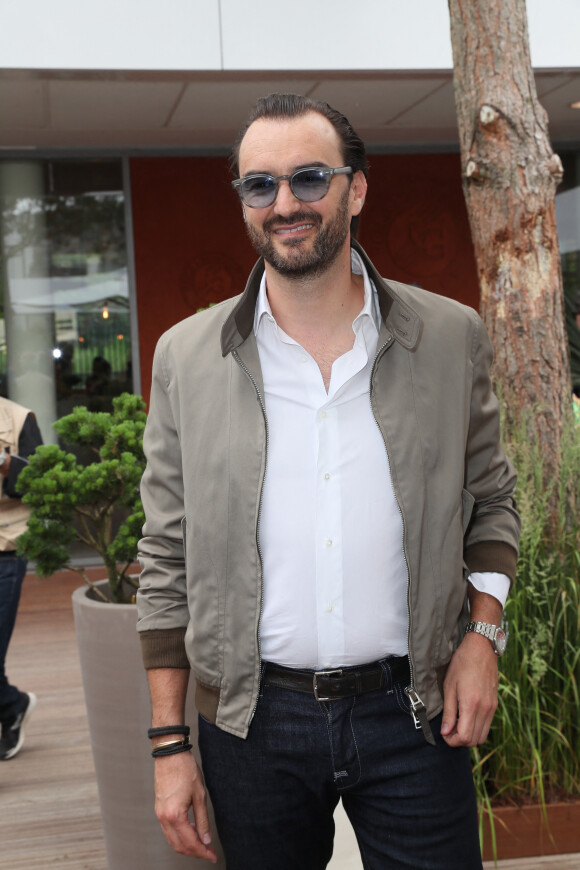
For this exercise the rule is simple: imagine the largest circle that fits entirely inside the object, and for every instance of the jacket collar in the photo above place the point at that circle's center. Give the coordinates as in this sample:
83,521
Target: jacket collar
398,317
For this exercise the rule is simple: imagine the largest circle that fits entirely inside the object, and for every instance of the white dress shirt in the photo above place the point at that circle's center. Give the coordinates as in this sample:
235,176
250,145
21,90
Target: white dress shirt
331,532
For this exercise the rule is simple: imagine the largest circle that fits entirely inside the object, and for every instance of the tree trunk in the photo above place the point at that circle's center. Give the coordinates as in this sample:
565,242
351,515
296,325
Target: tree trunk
510,175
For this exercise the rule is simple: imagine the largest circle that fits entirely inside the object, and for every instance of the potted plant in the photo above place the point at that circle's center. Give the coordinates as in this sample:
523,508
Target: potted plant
92,496
71,499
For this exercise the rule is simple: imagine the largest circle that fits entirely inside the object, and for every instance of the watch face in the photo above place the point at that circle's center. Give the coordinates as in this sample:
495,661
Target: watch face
500,641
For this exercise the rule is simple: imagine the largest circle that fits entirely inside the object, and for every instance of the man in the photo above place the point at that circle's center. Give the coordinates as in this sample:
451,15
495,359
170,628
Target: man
324,469
19,437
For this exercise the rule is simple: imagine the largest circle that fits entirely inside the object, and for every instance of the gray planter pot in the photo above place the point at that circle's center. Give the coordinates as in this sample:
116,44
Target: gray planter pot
119,713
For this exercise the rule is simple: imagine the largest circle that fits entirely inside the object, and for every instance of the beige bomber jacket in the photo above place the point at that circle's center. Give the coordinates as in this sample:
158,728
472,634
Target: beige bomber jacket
206,443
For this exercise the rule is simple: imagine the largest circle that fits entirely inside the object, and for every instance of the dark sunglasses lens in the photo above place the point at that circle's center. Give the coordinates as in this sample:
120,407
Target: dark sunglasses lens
310,185
259,191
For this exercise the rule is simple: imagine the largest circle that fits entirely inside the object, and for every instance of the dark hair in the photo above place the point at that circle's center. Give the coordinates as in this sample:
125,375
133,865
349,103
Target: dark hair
283,106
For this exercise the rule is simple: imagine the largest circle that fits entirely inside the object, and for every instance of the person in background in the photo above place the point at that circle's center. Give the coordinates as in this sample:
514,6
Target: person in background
19,437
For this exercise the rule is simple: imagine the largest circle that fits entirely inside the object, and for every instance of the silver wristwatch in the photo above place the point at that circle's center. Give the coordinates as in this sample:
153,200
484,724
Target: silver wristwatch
494,633
3,456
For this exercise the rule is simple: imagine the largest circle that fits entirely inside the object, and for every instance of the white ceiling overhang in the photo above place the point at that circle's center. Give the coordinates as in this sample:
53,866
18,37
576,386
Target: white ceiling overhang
203,110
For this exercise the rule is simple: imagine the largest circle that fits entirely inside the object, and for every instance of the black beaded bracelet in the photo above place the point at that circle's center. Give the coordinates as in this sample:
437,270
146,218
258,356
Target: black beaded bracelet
168,729
172,750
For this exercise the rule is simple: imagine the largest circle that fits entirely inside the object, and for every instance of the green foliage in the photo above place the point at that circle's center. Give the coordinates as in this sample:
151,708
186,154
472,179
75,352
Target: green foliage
534,744
72,501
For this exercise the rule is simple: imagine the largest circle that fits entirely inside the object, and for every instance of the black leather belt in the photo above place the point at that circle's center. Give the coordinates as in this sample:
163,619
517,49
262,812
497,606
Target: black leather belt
337,683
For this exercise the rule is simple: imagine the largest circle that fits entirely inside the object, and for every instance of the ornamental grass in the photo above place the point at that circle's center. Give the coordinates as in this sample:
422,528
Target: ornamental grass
532,752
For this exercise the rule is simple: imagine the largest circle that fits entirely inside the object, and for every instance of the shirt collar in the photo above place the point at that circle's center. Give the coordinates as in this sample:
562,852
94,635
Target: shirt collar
370,307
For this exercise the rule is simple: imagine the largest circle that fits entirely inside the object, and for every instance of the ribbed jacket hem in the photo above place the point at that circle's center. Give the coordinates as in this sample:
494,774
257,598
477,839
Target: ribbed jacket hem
492,556
164,648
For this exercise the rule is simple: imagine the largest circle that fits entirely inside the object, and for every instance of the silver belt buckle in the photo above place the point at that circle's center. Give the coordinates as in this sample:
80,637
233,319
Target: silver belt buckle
322,674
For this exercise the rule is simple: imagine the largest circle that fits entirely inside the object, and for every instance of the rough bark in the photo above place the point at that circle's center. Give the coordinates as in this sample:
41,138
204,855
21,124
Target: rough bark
510,175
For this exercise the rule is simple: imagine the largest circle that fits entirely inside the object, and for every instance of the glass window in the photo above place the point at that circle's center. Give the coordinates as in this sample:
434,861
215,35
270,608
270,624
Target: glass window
568,220
65,326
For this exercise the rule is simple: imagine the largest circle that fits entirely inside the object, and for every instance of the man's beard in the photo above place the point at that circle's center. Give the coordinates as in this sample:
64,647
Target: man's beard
293,262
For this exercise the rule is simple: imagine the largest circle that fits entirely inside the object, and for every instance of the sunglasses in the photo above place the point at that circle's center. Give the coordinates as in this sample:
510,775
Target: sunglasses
307,185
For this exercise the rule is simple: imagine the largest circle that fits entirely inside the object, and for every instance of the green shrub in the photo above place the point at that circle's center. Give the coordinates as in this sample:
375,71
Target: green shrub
71,500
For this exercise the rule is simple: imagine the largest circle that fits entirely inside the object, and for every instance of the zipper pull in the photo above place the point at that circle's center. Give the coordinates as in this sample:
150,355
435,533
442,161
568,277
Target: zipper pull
419,713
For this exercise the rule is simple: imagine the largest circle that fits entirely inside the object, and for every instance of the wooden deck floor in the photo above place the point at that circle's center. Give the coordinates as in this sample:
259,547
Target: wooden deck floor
49,810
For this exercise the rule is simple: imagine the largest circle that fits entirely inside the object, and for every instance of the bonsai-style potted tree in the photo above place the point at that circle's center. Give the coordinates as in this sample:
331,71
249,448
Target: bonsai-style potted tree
92,496
95,502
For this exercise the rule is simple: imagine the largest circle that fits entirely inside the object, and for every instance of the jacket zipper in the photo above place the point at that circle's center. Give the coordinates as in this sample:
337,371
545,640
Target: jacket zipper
418,709
263,407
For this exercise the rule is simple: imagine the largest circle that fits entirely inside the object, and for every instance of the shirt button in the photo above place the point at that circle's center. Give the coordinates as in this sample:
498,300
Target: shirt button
323,414
327,476
329,608
329,542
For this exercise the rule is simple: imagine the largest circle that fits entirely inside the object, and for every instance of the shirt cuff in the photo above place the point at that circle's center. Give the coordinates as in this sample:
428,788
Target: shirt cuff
491,583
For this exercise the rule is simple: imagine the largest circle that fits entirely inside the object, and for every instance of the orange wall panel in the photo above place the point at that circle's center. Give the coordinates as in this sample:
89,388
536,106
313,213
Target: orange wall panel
414,224
191,247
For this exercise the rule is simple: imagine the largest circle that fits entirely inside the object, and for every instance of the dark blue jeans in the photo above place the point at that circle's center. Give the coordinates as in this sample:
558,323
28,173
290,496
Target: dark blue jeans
412,805
12,571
